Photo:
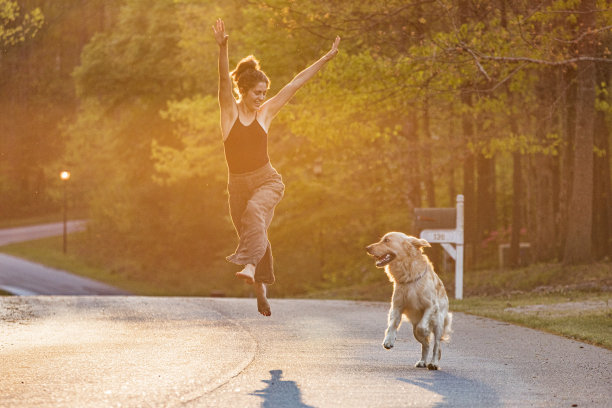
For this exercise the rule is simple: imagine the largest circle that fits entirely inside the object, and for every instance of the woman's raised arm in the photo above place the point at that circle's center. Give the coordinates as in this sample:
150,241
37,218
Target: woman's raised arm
272,106
227,103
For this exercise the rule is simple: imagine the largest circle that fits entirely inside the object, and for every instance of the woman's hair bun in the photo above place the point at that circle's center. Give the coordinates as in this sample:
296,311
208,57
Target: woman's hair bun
245,64
248,74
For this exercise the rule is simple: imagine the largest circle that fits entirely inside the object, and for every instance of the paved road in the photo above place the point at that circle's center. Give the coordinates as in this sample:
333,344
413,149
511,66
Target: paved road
199,352
21,277
20,234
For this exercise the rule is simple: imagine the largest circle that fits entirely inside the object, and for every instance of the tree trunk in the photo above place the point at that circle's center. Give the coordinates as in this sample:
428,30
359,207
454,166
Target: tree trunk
452,190
602,189
486,196
578,243
469,190
567,92
517,200
517,179
517,196
430,187
469,181
412,190
543,231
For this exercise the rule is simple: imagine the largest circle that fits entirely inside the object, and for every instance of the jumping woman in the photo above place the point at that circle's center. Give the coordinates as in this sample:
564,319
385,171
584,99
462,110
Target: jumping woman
254,186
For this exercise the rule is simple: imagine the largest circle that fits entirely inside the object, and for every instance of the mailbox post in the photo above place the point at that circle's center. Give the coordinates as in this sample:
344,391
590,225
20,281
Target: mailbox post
448,237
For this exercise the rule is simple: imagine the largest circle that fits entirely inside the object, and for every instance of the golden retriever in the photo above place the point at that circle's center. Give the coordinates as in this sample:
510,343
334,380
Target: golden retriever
418,294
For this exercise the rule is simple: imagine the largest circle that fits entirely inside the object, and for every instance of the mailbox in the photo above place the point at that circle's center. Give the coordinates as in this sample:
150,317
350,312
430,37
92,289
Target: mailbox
445,226
434,218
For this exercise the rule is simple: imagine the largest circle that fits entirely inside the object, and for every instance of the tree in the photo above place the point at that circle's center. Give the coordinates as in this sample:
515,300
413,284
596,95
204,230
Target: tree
578,243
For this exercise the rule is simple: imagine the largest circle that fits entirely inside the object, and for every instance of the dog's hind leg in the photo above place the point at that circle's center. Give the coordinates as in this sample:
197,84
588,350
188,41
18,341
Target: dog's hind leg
437,335
422,337
422,332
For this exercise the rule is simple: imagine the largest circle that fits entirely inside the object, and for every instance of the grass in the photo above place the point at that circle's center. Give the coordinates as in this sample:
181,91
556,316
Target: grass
488,293
591,326
539,278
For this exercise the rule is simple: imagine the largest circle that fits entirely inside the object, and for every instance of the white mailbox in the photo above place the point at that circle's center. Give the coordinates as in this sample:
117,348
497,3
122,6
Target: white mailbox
447,238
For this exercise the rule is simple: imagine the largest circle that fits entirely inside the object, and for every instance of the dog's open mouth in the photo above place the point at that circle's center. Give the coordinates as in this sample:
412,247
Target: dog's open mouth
384,259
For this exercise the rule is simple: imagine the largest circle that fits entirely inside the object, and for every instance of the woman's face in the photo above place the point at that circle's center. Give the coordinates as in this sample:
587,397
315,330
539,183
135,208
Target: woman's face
255,96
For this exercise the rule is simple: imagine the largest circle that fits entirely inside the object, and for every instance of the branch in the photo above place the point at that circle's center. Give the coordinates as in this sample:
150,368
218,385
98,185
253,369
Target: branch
517,69
477,57
544,62
604,10
580,37
480,67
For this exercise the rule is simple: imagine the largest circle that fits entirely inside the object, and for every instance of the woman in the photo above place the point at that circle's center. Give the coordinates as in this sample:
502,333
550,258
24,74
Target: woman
254,186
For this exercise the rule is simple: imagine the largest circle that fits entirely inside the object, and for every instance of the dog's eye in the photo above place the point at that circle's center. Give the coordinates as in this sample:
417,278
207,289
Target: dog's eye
386,240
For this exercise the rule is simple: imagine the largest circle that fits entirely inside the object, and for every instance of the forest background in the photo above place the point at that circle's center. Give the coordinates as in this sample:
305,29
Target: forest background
506,102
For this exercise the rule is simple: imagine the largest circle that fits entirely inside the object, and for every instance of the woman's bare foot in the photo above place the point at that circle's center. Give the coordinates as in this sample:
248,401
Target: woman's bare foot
262,302
247,274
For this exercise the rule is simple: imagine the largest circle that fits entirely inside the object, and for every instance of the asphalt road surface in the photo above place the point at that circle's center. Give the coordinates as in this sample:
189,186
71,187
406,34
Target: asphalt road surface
21,277
79,351
20,234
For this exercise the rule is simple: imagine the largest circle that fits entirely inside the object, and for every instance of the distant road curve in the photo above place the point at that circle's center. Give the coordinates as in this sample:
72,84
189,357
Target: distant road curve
24,278
22,234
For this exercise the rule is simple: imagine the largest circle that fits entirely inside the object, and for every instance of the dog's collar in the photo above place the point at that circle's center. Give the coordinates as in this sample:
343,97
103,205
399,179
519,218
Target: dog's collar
417,278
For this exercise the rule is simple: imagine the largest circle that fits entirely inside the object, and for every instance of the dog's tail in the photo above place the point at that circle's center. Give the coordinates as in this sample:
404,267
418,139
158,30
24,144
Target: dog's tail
448,321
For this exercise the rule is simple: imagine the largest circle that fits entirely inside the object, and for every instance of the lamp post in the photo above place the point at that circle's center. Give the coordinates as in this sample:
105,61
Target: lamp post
65,176
317,169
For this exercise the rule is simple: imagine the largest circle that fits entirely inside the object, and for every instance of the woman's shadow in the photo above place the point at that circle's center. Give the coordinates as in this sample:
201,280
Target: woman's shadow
280,393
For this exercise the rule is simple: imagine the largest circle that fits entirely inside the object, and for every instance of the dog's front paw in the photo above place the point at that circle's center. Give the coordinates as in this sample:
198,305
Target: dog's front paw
432,366
388,344
420,364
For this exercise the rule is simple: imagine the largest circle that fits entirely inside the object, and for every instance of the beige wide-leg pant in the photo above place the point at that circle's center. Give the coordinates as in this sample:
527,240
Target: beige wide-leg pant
252,199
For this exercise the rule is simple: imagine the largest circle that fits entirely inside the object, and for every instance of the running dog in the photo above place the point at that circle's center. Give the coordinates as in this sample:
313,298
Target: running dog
418,294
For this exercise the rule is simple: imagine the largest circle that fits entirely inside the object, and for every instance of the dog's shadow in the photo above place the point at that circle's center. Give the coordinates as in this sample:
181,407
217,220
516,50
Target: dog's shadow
456,391
280,393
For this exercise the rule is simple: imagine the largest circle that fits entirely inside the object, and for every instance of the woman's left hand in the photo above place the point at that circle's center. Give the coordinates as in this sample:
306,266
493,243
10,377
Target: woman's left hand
219,32
334,49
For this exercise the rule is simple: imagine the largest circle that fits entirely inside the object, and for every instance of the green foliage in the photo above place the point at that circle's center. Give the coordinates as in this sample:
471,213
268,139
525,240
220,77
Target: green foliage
135,60
14,28
196,127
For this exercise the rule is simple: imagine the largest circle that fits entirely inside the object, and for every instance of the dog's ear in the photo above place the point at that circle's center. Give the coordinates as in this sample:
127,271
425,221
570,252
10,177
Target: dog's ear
416,243
420,243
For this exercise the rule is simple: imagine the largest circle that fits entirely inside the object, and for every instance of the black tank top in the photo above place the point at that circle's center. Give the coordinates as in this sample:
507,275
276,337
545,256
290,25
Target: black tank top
246,147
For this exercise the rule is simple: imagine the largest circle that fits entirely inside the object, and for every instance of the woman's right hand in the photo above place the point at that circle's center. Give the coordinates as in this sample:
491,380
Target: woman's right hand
334,49
219,32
